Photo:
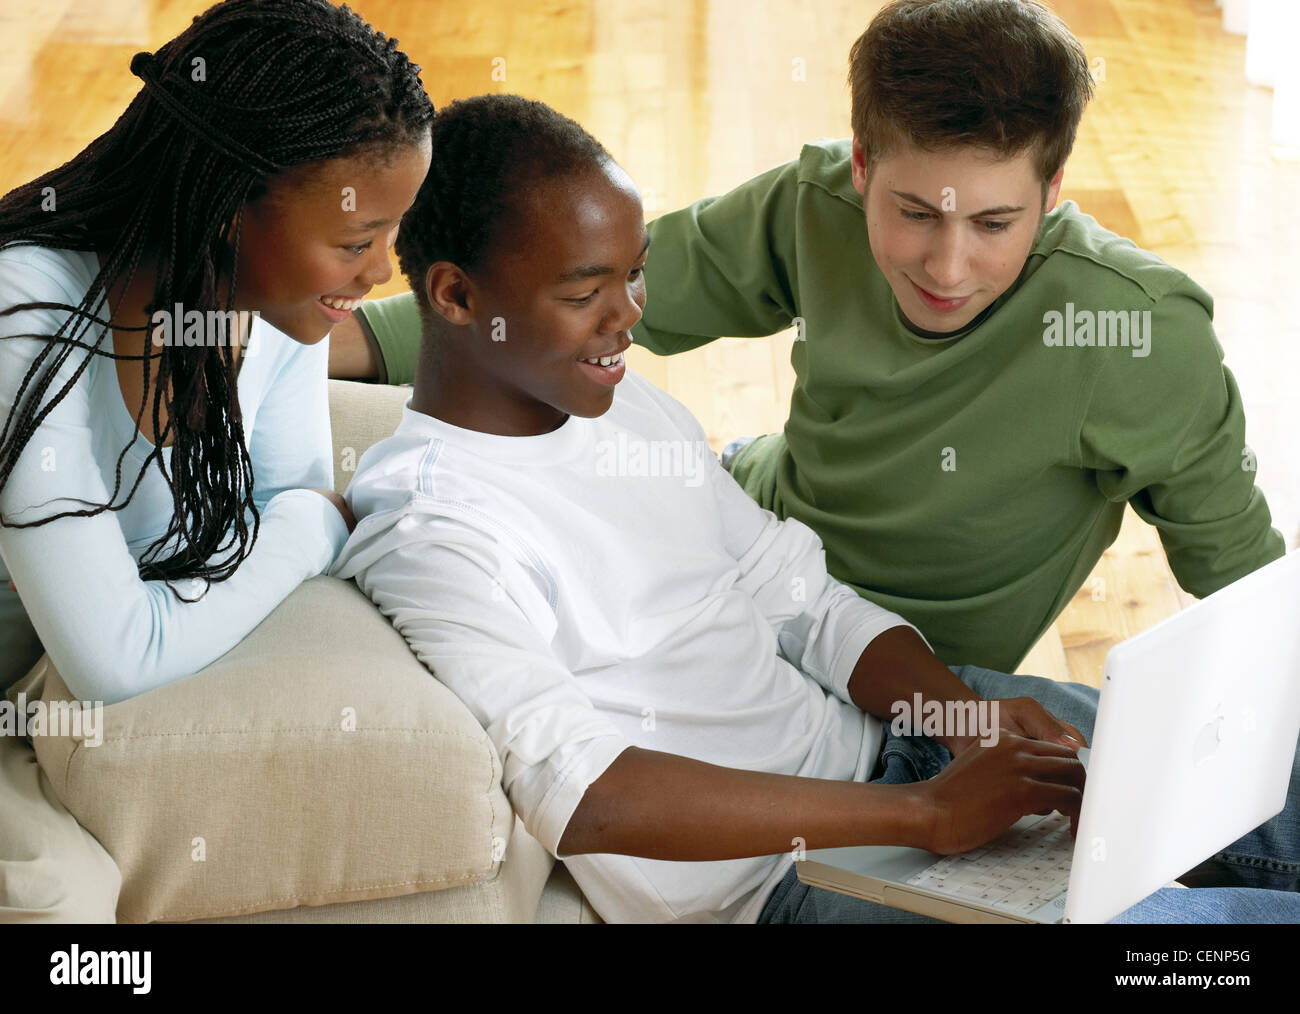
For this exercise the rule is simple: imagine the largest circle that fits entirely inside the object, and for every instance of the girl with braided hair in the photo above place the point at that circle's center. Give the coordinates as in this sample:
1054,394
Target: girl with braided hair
160,496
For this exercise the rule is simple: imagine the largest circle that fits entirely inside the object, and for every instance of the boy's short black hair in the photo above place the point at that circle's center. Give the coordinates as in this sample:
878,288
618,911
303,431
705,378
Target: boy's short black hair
488,151
1006,75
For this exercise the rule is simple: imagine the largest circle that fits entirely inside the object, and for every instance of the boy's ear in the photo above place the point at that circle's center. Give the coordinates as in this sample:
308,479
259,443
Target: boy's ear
447,289
1054,190
859,168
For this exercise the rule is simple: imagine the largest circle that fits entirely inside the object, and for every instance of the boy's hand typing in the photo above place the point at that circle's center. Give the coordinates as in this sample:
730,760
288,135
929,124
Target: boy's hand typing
1024,716
984,791
663,806
898,664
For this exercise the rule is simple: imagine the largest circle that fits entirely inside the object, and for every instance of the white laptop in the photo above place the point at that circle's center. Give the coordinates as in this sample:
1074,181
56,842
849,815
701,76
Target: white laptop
1193,747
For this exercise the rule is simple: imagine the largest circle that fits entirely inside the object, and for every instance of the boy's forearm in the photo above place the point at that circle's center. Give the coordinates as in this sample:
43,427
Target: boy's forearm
663,806
896,665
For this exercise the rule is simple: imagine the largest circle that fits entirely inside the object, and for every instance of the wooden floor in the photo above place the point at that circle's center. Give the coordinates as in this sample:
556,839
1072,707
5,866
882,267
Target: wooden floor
694,97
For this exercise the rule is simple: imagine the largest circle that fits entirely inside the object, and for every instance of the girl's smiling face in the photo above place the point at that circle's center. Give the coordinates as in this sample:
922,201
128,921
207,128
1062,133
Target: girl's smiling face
563,284
324,230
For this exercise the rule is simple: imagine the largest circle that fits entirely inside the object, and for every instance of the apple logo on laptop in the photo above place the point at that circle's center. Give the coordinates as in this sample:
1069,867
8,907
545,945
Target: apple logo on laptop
1208,739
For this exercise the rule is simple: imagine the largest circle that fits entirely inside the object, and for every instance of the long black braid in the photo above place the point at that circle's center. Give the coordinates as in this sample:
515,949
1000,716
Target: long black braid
251,89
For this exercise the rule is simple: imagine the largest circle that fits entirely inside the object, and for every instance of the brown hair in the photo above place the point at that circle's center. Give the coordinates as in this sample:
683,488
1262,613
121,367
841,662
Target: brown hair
1005,75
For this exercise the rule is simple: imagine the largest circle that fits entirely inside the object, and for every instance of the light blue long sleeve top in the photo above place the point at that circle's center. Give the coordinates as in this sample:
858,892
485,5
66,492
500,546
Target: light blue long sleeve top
80,597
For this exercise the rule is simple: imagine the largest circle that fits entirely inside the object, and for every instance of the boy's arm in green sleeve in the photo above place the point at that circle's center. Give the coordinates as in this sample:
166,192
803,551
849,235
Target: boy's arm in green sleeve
393,324
1167,433
722,266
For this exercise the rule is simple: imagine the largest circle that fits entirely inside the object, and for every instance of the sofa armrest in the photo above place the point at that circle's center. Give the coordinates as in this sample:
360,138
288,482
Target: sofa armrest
316,762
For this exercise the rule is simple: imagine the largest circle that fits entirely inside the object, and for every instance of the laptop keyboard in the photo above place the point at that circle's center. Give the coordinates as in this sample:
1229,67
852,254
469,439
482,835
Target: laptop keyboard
1016,873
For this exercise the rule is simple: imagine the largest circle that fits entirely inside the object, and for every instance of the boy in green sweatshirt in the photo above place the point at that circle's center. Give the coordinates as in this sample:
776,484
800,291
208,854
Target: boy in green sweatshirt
983,379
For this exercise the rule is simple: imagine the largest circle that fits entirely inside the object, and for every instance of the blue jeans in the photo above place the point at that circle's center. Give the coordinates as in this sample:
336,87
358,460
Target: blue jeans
1255,879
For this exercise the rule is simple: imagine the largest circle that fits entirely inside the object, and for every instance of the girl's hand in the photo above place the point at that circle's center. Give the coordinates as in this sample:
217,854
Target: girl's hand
11,587
338,501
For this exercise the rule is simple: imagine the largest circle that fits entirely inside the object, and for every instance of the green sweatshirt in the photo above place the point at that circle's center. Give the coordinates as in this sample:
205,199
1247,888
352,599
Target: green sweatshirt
969,483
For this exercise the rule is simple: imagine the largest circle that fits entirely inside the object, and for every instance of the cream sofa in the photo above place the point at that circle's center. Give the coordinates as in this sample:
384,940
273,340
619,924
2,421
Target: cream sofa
315,773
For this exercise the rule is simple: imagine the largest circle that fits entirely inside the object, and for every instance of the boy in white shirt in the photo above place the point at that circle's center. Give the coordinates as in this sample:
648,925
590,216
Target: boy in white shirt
680,695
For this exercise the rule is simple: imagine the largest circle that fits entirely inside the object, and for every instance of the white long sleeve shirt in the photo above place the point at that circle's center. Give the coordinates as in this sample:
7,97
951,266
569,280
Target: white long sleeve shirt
109,634
605,585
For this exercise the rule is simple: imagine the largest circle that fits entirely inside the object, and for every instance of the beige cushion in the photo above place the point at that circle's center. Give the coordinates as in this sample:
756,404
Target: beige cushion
514,894
253,763
361,415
